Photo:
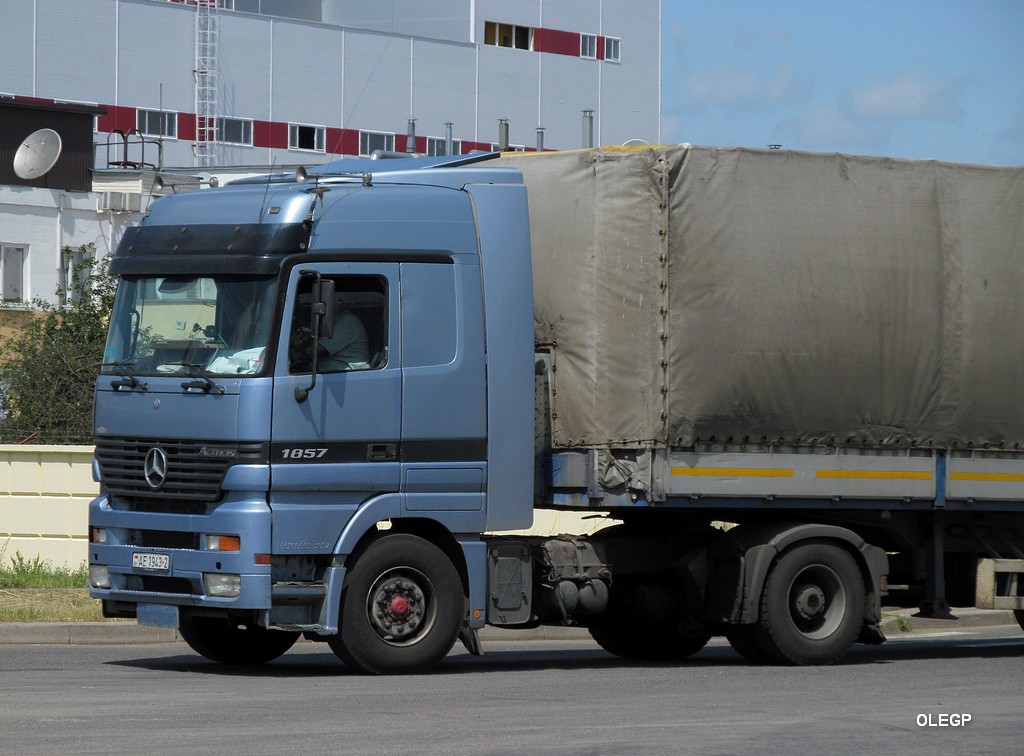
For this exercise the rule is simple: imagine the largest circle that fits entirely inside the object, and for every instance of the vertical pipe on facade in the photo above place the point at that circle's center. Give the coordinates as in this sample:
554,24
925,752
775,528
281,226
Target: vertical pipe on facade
410,136
503,134
588,129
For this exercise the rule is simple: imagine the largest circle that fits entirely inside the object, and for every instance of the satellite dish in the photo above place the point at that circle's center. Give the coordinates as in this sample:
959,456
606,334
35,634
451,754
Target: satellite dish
37,154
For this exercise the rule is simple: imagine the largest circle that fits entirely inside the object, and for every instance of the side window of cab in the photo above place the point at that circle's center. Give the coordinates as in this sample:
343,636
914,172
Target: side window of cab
359,341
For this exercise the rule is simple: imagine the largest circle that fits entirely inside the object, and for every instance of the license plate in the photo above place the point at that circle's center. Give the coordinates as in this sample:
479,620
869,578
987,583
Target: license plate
151,561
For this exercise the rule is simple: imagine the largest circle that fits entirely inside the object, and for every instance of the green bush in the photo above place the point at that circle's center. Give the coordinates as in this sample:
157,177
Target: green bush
50,368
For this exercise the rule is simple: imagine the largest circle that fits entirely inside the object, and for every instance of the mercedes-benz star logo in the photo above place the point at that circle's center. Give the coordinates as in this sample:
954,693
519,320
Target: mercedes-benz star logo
155,467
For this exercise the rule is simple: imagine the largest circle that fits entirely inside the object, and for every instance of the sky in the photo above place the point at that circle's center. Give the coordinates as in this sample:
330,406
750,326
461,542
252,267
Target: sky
935,79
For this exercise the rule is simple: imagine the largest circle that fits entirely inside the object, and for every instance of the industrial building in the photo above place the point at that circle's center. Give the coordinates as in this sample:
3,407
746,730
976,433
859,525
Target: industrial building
188,87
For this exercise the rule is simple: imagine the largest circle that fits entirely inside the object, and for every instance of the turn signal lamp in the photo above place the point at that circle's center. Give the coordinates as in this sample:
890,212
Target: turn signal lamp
223,543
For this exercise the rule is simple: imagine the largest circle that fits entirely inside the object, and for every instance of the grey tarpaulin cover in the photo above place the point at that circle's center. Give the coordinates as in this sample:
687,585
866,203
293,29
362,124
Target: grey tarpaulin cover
692,294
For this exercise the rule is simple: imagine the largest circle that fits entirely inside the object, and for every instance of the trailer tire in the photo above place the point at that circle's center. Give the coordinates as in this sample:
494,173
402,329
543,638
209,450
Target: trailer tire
401,608
812,606
230,641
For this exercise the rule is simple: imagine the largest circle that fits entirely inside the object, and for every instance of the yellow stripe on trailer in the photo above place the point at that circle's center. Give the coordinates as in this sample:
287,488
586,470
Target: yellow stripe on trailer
874,474
734,472
988,477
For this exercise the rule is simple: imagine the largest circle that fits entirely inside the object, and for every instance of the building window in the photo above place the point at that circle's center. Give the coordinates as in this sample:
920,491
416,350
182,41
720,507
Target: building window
13,261
508,35
157,123
435,147
369,141
495,147
306,137
588,45
612,49
234,131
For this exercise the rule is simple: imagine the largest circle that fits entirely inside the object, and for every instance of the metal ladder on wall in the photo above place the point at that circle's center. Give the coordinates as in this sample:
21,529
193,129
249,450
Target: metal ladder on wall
206,78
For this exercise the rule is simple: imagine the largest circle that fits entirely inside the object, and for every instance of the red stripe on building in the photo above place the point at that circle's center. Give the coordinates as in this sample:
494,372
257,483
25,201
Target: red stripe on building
271,134
117,118
342,141
557,42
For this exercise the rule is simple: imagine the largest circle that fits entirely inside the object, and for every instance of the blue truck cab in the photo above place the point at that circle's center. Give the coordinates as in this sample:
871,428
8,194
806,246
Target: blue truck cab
309,412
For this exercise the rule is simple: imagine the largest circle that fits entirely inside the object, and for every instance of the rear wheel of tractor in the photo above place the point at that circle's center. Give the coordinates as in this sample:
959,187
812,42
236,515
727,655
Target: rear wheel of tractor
401,608
1019,614
229,641
812,606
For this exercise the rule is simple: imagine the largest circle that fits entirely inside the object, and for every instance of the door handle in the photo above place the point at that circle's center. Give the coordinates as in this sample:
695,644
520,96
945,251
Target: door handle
381,452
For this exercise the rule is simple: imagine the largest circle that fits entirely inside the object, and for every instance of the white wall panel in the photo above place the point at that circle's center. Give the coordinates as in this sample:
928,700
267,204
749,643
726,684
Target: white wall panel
17,71
444,88
437,19
156,46
508,89
377,81
572,15
307,74
245,62
568,86
75,50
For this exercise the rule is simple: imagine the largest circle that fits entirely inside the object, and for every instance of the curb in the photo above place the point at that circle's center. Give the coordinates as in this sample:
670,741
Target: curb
123,633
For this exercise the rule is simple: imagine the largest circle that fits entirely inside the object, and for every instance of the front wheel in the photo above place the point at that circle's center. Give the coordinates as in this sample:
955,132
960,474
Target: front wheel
401,607
812,606
230,641
1019,614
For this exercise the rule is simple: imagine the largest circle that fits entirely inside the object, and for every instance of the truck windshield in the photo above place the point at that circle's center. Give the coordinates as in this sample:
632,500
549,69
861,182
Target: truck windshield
205,325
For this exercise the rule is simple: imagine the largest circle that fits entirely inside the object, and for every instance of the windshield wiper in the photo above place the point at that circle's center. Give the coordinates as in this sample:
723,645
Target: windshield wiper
127,380
202,380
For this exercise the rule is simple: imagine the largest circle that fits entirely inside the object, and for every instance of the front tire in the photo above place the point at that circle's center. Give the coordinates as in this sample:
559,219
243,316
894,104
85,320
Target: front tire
812,606
1019,614
230,641
401,608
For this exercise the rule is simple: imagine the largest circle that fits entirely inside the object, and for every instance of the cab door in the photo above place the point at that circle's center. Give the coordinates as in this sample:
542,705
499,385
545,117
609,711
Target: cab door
340,445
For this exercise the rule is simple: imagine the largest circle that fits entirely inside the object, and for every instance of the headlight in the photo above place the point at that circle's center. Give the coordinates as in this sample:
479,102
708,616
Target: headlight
99,576
222,585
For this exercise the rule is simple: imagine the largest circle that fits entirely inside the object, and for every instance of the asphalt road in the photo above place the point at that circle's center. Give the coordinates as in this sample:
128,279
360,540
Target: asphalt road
520,698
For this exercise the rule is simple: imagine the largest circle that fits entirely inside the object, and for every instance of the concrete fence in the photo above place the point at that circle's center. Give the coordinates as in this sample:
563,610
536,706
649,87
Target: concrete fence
44,505
44,502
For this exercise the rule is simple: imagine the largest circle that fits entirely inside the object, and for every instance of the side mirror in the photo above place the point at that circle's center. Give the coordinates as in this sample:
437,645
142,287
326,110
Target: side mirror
327,308
321,324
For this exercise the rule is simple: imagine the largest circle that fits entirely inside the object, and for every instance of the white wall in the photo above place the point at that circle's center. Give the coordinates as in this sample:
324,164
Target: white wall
45,220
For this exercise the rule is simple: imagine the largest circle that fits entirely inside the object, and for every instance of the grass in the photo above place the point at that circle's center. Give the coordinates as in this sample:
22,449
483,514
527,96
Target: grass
33,590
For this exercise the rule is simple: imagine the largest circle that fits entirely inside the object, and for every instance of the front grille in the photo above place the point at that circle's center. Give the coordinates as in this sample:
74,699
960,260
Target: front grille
194,476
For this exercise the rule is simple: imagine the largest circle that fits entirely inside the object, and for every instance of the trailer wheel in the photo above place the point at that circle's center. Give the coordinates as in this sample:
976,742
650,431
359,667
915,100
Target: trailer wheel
401,608
812,606
229,641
